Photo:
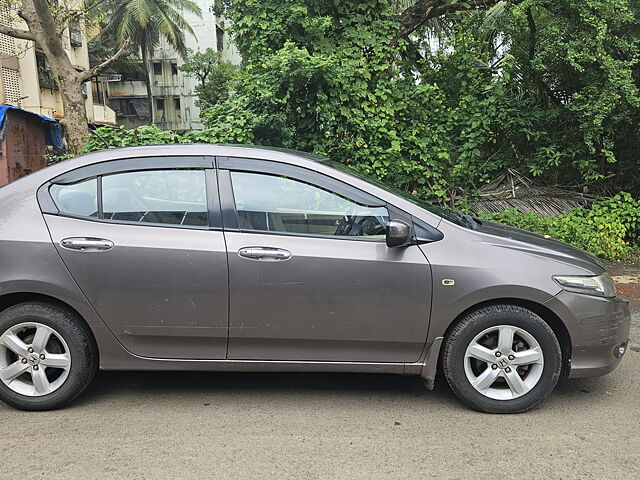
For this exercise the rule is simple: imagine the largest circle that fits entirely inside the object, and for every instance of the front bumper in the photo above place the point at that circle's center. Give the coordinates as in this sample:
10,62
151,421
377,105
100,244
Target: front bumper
598,327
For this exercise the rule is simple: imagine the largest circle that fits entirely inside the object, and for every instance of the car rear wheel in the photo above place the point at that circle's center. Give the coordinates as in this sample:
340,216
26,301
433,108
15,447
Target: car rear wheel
502,359
47,356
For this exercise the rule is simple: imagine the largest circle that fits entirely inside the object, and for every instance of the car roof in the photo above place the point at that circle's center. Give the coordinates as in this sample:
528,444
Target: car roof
249,151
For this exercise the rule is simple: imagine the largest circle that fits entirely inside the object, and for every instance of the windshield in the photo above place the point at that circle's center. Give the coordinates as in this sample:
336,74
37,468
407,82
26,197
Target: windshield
459,218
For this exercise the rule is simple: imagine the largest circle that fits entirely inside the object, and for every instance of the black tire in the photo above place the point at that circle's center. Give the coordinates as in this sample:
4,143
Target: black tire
82,348
463,333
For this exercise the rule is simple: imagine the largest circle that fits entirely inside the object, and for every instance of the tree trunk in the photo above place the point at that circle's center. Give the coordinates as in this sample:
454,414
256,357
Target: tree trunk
48,36
75,121
47,31
147,77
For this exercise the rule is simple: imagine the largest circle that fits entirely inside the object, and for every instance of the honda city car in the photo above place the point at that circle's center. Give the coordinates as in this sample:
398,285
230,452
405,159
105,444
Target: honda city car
234,258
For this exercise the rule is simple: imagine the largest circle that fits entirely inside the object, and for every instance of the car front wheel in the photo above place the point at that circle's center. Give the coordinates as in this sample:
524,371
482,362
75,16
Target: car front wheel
502,359
47,356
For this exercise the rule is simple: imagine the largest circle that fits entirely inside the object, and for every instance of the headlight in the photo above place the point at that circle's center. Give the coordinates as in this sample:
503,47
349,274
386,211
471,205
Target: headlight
602,285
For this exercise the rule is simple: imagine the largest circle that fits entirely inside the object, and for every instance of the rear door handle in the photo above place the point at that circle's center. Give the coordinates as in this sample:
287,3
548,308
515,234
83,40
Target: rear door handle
264,253
87,244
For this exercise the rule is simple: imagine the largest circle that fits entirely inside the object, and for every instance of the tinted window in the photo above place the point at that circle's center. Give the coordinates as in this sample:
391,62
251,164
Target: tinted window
280,204
174,197
79,199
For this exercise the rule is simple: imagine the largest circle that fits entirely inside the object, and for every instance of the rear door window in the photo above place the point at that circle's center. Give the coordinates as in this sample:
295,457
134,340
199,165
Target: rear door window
166,197
173,197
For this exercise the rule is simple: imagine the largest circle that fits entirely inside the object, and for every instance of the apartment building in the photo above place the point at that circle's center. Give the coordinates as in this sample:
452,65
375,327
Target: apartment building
26,80
174,98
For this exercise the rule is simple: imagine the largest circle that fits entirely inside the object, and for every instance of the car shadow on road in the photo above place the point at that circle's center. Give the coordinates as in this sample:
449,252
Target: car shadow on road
207,382
337,387
199,385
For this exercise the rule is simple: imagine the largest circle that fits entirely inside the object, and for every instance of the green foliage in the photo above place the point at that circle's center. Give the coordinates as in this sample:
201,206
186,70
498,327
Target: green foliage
123,137
548,87
608,229
214,76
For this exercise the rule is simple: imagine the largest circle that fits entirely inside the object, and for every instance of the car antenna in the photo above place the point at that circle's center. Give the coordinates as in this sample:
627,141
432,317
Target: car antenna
95,132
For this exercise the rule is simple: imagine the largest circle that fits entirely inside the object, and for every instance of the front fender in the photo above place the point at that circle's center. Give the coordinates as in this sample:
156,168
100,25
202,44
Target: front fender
451,303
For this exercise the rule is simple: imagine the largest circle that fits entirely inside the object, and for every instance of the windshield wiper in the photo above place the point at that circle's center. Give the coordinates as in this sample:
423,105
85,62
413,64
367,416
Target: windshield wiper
466,219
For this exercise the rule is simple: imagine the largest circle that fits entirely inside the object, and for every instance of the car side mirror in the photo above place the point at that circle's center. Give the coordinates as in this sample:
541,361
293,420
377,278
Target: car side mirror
398,234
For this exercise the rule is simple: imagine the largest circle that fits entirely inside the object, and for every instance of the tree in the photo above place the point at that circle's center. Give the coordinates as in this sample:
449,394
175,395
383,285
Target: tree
214,76
549,87
145,22
44,23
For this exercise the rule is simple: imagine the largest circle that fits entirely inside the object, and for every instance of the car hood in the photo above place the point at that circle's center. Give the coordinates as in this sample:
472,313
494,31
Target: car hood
542,246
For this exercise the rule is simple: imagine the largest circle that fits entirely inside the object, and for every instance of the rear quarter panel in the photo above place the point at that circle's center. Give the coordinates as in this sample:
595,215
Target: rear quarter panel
29,263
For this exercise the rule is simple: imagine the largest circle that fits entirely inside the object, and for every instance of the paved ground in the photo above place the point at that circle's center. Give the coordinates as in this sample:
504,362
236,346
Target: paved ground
245,426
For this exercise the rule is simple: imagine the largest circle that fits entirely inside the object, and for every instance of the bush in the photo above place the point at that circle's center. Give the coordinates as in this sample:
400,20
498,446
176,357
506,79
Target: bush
123,137
608,229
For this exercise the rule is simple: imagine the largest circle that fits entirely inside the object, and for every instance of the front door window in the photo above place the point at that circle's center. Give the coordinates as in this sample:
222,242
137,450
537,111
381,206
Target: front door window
273,203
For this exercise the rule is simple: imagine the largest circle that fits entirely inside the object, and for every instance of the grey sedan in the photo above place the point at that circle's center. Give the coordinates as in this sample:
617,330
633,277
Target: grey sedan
205,257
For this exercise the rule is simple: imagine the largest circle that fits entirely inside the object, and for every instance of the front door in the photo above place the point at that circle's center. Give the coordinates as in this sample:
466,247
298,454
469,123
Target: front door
140,247
311,277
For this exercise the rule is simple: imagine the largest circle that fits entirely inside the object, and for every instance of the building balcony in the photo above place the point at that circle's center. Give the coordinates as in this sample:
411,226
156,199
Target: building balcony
103,115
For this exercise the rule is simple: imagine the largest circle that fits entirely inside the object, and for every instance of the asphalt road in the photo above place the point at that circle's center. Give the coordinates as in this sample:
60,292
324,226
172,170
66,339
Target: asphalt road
172,425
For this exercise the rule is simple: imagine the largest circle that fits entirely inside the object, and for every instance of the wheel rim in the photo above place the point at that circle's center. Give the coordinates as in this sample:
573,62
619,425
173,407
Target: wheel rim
504,362
34,359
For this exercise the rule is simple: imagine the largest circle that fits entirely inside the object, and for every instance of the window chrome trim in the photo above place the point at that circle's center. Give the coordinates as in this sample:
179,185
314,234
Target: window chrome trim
309,235
135,224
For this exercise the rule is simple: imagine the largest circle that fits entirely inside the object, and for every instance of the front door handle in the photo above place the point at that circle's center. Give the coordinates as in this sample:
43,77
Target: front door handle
264,253
87,244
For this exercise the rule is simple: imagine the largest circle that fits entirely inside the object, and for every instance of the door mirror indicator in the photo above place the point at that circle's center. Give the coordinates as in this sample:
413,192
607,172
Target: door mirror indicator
398,234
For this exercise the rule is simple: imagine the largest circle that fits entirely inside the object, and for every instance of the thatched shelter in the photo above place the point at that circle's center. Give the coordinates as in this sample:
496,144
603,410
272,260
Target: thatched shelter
513,190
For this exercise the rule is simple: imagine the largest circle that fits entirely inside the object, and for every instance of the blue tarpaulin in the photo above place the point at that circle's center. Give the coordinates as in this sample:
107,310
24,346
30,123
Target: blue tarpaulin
52,128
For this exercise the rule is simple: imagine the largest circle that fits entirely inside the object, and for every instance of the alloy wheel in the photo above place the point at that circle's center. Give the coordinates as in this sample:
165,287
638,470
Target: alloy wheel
504,362
34,359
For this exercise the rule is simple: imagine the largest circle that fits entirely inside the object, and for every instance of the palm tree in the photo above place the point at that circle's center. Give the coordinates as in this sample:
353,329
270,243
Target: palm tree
145,22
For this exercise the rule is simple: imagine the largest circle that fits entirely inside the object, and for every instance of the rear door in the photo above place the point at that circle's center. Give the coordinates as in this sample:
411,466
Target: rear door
142,239
311,277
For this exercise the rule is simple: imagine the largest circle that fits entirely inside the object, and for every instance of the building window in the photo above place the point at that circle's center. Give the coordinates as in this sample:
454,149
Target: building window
122,106
97,88
176,104
219,38
45,75
133,76
159,103
174,68
130,107
75,33
157,68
